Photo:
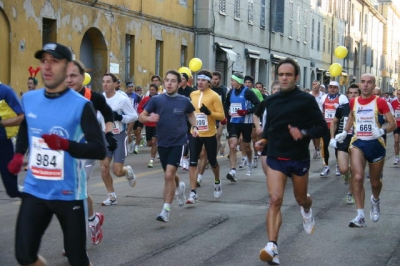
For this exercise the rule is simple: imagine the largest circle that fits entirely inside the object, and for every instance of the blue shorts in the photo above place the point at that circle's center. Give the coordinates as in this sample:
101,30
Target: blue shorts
170,155
374,151
289,167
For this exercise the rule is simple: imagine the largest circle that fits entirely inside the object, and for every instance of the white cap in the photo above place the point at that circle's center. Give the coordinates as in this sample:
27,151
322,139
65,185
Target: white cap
334,83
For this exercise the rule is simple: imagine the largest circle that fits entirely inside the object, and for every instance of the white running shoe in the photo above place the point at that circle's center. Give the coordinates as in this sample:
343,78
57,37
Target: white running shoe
350,199
255,162
358,222
318,155
270,254
337,170
193,198
249,169
308,223
131,147
199,178
111,200
243,163
185,164
231,176
217,190
181,194
325,171
375,212
315,154
163,216
396,161
130,175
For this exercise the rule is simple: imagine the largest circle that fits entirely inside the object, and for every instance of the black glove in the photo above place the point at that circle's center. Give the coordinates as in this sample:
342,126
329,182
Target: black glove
117,117
205,110
112,142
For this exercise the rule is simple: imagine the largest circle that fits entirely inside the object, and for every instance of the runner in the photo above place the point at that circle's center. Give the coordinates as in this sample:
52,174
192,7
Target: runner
74,80
367,146
396,107
328,105
123,114
338,122
293,118
151,130
208,109
60,129
241,102
170,111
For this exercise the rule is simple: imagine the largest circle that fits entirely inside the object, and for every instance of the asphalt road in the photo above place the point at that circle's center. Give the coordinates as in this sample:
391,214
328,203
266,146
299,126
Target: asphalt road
226,231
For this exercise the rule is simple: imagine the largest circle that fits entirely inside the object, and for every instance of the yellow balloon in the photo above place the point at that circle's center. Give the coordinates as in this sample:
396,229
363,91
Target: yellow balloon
341,52
87,79
335,69
185,70
195,64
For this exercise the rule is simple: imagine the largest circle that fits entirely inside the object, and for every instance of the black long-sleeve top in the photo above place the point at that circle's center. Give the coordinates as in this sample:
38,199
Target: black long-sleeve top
248,95
94,148
298,109
100,104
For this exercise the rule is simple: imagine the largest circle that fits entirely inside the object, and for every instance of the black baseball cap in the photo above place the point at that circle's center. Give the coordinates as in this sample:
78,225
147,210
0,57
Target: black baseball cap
57,50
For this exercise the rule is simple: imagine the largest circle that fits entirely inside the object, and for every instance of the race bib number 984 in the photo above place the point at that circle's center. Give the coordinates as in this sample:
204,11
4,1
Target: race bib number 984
45,163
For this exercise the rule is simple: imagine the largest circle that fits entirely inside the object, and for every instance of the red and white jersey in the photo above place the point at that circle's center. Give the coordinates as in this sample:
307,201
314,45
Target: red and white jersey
396,108
365,112
328,106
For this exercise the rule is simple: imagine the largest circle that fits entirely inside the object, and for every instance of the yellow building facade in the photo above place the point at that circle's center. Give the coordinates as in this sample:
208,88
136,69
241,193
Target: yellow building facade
134,39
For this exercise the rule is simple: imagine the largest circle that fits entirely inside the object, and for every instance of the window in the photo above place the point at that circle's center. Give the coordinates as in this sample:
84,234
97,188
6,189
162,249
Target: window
323,39
262,15
290,19
352,14
312,33
49,29
319,2
250,14
129,56
278,15
329,48
366,24
319,36
298,23
236,8
183,55
305,26
222,7
159,55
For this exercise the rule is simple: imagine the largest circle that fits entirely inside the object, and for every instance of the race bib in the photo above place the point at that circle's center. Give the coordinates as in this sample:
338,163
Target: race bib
45,163
234,108
116,128
364,130
329,114
202,122
397,115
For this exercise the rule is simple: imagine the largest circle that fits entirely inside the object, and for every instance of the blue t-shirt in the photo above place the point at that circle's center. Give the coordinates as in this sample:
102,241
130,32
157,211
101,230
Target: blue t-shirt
9,107
173,111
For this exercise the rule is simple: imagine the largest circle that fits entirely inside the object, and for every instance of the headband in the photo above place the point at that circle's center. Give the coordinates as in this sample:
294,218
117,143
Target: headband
239,80
204,77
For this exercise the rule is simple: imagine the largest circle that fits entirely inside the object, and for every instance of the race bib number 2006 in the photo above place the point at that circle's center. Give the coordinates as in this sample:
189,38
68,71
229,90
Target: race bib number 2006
45,163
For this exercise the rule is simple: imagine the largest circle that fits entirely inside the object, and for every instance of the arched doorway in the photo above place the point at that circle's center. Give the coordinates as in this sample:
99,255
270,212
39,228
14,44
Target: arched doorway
5,49
93,54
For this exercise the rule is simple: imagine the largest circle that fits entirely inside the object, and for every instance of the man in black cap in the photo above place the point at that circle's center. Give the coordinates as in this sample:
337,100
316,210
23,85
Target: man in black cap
60,129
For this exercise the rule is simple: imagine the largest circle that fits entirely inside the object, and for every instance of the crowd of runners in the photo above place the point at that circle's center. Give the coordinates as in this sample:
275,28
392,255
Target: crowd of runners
65,127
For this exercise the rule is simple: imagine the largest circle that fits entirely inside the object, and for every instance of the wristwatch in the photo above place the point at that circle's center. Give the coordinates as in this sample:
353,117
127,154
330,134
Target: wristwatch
195,127
304,132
